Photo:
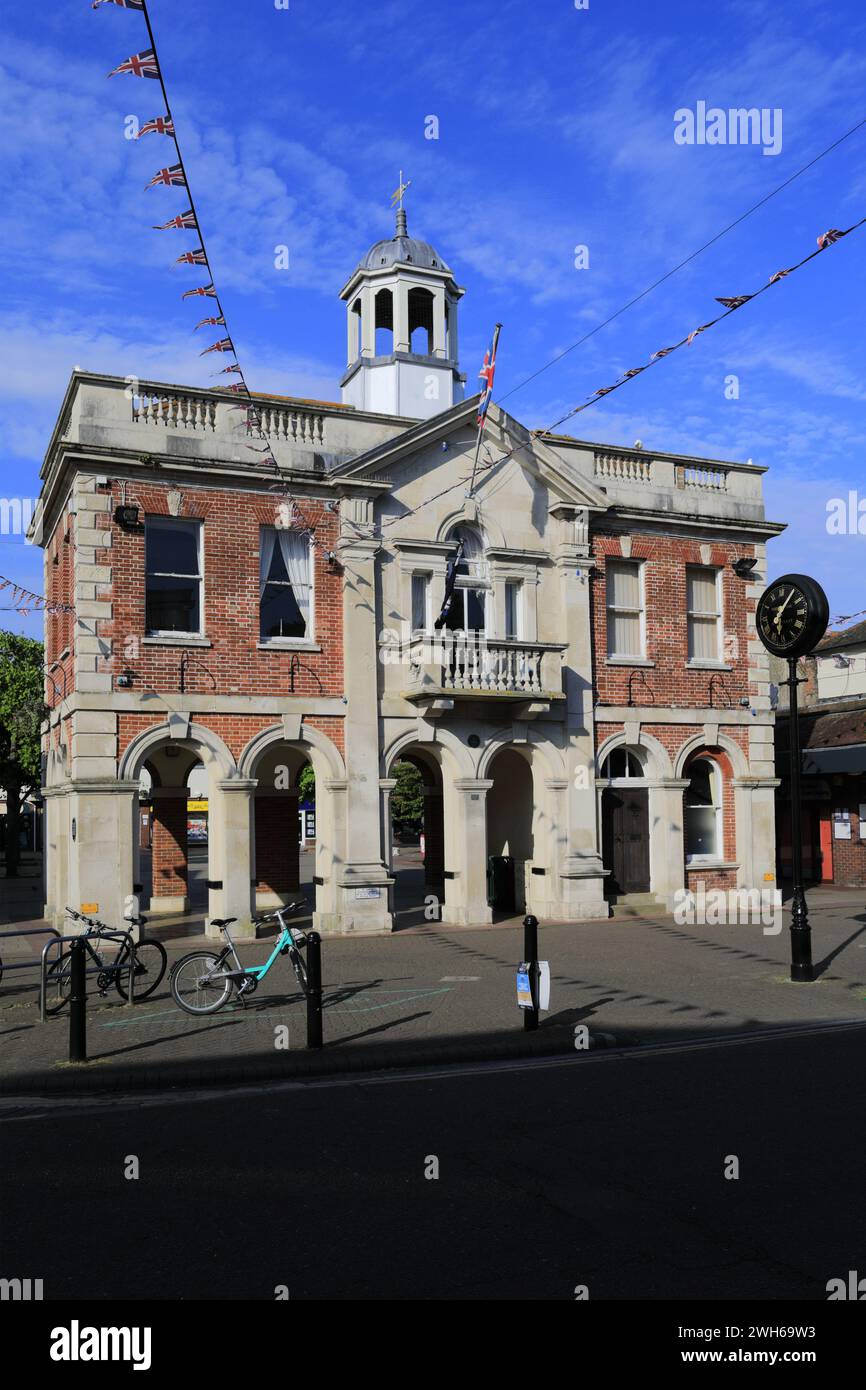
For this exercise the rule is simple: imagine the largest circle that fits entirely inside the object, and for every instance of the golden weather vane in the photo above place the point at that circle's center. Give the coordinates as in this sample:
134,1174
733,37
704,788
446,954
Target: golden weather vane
397,195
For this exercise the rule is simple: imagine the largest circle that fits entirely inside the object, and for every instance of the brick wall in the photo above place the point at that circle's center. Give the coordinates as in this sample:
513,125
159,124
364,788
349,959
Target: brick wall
59,627
235,730
670,681
233,664
277,848
170,863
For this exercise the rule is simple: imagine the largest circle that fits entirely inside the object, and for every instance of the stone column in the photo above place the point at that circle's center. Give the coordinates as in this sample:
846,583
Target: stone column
363,879
580,868
170,852
667,844
755,815
230,854
434,843
466,852
400,300
368,322
440,348
102,815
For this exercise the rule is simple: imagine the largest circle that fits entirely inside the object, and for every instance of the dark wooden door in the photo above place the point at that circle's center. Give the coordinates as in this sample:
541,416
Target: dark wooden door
625,839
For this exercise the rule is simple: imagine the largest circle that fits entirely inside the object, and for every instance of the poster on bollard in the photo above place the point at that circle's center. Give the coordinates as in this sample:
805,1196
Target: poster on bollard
524,990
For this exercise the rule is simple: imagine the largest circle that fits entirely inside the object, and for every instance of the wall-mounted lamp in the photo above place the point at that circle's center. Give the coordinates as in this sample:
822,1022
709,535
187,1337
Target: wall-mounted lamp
743,567
840,660
125,679
126,516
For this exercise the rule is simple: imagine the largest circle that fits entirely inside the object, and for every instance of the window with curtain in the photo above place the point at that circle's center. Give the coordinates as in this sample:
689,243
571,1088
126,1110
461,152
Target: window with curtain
285,585
172,564
625,625
704,613
468,611
703,811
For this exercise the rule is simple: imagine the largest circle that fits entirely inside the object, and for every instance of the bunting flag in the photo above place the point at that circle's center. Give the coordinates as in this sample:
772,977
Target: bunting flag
140,65
827,238
236,386
695,331
735,301
186,219
224,345
605,390
633,371
160,125
36,601
662,352
780,275
197,257
124,4
205,291
217,321
233,368
173,176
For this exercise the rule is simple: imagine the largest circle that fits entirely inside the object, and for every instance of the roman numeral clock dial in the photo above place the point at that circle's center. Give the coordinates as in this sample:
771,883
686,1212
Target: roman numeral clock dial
792,615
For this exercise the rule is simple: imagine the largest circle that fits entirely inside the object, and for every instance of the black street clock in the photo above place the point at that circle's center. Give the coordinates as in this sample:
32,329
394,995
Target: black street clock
792,615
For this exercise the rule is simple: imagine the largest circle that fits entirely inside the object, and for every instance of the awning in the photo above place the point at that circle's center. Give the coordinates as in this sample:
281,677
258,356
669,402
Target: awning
850,757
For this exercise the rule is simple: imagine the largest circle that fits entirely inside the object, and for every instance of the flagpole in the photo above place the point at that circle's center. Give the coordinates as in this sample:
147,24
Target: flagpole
496,332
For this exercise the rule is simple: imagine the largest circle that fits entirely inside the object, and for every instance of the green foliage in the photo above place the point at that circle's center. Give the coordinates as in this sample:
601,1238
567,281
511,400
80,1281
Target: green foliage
307,783
22,710
407,798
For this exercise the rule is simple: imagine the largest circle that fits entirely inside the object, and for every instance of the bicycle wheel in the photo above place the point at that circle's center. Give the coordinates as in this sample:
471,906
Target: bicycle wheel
300,969
58,983
200,984
150,963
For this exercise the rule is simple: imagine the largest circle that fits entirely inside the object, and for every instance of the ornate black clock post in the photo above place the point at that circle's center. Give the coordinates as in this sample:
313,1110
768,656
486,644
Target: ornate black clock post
792,618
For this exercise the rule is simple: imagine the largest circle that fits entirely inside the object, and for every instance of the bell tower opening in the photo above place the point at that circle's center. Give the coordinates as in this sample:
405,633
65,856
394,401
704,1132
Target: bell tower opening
401,306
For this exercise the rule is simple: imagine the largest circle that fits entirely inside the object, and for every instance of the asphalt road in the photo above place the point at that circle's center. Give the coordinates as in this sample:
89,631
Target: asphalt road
607,1171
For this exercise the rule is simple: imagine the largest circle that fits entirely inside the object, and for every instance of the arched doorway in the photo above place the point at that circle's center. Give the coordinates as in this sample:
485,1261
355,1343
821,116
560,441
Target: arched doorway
625,822
281,871
417,838
510,831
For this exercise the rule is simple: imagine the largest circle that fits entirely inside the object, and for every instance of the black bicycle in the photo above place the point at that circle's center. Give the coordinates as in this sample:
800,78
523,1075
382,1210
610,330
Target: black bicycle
149,962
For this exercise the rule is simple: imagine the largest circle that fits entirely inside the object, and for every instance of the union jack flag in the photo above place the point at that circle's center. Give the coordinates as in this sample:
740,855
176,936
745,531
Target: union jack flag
634,371
124,4
140,65
160,125
604,390
206,291
172,176
235,385
233,368
733,301
827,238
694,333
201,323
487,373
779,275
192,258
224,345
186,219
662,352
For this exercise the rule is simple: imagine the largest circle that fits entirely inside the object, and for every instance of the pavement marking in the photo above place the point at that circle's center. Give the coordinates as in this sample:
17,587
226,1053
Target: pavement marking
459,979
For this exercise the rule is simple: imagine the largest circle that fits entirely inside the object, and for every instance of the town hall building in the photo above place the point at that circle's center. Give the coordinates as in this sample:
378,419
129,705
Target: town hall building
595,711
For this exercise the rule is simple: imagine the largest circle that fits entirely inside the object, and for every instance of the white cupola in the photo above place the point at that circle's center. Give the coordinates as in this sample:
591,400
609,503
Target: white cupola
401,308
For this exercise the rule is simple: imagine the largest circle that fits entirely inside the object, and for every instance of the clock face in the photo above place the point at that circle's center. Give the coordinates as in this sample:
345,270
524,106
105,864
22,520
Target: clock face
792,615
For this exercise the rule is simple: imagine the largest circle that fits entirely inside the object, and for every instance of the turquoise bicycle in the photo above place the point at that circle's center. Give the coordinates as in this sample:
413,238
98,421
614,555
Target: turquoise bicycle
203,982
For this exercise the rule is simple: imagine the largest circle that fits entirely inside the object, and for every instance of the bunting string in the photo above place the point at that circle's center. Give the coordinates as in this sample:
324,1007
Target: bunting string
147,65
23,601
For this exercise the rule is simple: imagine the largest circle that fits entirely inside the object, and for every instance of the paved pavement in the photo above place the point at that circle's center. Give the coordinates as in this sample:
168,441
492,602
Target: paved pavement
438,991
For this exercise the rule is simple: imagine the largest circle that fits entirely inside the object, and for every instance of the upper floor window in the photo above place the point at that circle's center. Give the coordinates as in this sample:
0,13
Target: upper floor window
285,585
513,608
173,575
625,608
420,602
704,607
468,610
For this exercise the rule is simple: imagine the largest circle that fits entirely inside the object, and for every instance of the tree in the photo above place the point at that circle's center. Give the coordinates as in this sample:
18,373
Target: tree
22,709
407,798
307,782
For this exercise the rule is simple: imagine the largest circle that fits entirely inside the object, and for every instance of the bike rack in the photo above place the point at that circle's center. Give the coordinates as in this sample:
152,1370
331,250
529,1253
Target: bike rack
91,969
28,931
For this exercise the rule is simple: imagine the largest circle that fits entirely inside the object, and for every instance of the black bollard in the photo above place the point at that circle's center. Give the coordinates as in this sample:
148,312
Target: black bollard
314,989
78,1003
530,955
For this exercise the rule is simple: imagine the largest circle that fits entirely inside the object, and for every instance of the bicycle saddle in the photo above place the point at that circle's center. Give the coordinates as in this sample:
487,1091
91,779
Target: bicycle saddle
222,921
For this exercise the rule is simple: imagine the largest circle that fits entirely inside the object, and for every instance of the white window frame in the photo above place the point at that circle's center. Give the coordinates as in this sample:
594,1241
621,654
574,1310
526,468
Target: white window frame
169,574
519,617
717,659
629,657
427,578
309,637
718,791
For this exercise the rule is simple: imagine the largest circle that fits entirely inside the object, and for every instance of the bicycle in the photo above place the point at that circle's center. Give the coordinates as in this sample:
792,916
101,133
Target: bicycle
200,982
149,956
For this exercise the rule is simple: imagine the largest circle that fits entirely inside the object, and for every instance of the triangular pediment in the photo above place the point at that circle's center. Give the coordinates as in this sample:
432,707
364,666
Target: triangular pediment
505,436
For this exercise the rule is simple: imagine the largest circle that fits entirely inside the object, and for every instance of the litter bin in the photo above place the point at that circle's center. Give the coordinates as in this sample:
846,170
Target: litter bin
500,883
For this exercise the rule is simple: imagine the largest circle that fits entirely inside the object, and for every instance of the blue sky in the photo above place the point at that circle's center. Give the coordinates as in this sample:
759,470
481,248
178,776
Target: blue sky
556,129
